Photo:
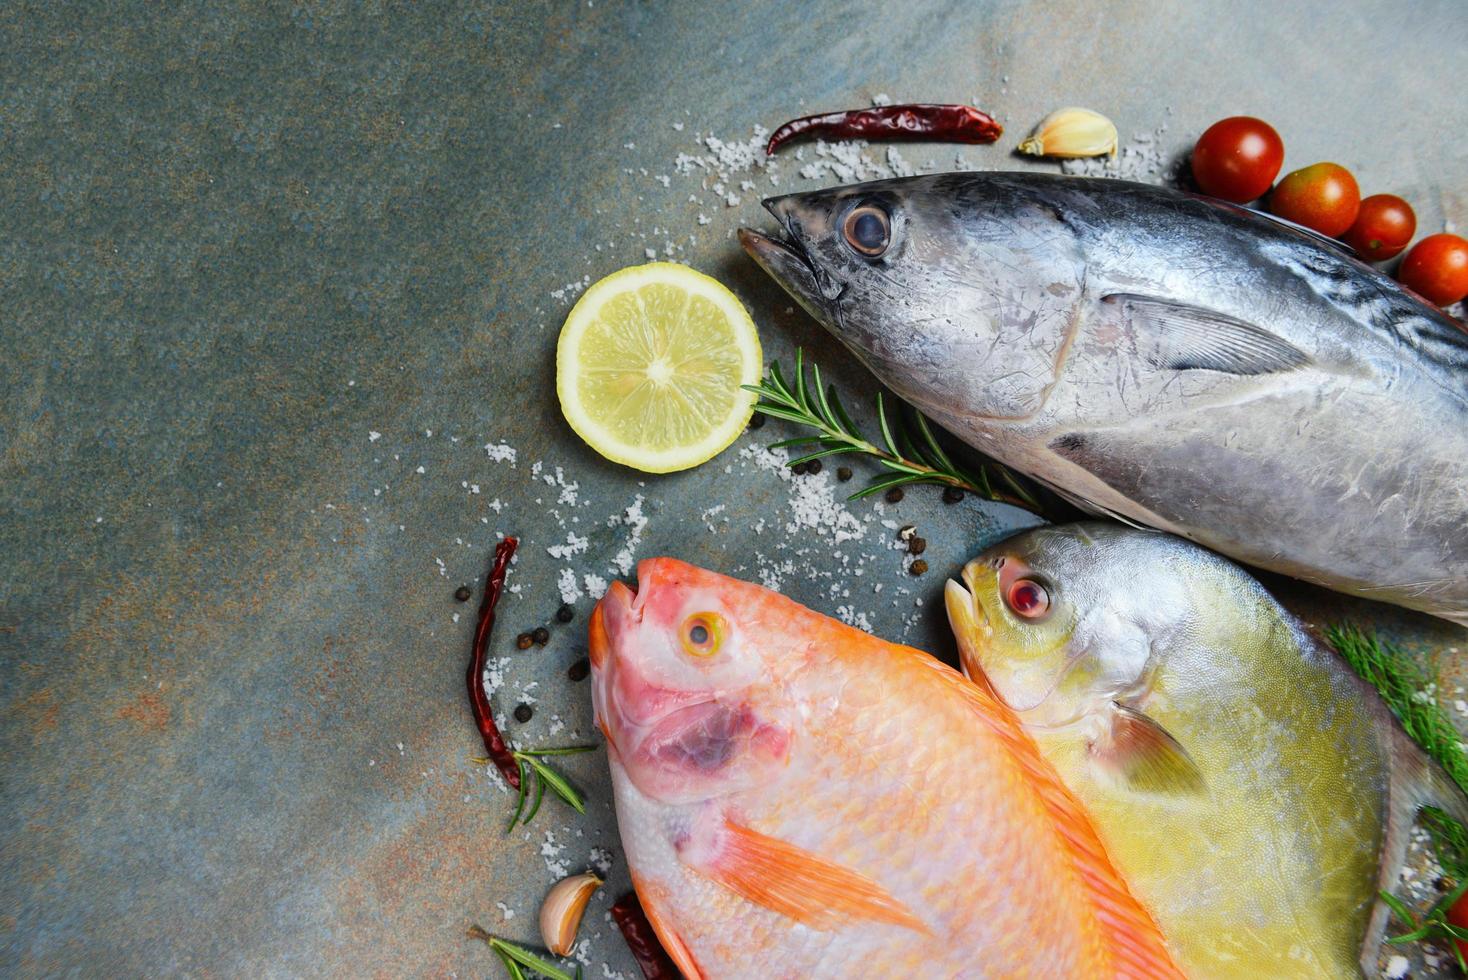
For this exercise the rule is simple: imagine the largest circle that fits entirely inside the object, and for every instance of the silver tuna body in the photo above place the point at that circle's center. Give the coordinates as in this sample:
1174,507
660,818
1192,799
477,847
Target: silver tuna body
1166,359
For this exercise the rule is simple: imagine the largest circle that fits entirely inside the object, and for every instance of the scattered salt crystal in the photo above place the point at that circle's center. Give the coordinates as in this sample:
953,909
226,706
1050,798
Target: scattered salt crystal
501,452
506,911
566,582
374,436
595,585
1396,967
575,545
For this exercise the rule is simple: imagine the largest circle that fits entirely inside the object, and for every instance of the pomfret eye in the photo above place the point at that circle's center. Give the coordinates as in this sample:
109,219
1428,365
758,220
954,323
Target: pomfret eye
868,230
702,633
1027,598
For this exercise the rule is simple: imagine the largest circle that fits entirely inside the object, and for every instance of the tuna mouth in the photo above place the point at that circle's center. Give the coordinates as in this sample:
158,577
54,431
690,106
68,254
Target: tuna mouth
786,261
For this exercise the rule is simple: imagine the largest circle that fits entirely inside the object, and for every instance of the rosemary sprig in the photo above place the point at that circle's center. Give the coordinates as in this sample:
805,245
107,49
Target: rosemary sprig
909,452
1405,689
516,958
532,764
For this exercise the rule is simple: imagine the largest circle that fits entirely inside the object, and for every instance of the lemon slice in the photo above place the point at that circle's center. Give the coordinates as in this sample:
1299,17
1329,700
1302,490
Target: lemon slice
649,365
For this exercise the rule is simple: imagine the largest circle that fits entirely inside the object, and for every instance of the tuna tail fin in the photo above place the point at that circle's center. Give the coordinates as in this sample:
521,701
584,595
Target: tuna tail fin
1416,782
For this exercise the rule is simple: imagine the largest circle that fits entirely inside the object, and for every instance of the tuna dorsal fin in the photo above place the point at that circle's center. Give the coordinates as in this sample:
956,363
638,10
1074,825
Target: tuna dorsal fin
1144,755
799,884
1190,338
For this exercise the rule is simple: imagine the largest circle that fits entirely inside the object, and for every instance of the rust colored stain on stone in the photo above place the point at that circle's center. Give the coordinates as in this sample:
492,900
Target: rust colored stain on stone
148,710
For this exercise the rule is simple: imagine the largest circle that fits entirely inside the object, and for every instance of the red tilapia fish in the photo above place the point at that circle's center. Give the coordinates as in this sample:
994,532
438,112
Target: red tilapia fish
799,799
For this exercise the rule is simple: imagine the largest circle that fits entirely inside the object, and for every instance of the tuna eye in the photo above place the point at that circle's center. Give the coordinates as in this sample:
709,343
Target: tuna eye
868,230
1028,598
702,633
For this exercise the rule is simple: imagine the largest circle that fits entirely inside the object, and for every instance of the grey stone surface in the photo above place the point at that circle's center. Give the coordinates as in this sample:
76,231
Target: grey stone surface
235,240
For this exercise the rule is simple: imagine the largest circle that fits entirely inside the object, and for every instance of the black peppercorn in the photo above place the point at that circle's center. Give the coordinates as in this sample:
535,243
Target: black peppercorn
565,614
952,495
757,421
523,713
814,466
916,545
462,593
894,496
918,567
798,469
540,635
579,670
524,640
843,473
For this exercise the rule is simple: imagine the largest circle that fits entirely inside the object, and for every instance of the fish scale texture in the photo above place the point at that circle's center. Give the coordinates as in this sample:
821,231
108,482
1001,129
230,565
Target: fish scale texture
902,772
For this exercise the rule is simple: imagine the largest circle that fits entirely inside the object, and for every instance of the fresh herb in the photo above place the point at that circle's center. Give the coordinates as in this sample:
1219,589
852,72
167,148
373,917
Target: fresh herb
911,454
517,958
1406,690
1432,925
531,762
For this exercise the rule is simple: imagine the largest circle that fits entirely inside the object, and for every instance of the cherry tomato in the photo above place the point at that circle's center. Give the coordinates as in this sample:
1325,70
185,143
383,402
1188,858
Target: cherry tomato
1384,226
1237,158
1437,267
1323,196
1458,916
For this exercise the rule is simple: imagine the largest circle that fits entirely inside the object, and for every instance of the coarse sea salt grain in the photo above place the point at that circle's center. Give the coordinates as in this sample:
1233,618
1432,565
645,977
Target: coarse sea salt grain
575,545
595,585
566,582
501,452
1396,967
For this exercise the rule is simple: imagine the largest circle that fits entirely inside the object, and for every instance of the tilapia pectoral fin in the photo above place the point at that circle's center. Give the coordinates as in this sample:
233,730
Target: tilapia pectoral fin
1144,756
1180,337
651,898
799,884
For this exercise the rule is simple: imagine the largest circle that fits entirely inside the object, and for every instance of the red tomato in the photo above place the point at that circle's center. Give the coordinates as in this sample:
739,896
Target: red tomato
1458,916
1437,267
1384,226
1237,158
1323,196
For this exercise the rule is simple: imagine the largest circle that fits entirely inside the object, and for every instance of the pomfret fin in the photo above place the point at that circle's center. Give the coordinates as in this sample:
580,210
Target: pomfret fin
1143,755
797,883
1181,337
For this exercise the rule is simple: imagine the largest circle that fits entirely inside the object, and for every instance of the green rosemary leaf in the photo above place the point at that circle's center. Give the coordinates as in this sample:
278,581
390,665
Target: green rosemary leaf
835,451
524,957
886,429
902,466
932,444
847,425
524,791
779,384
510,965
887,484
560,786
821,403
805,440
539,797
565,750
800,395
1398,907
789,414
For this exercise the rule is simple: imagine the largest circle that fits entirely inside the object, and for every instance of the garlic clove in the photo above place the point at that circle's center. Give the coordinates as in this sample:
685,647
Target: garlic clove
1072,132
561,912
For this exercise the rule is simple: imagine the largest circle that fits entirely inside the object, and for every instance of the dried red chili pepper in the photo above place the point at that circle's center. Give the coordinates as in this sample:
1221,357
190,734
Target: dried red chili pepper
917,121
646,950
494,743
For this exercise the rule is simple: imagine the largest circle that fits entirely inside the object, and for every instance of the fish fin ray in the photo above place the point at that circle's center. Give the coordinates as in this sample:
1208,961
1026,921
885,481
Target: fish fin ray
1144,756
1190,338
673,943
800,885
1132,936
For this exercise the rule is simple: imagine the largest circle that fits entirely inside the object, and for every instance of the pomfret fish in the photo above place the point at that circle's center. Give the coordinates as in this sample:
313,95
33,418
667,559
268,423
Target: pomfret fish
799,799
1250,787
1167,359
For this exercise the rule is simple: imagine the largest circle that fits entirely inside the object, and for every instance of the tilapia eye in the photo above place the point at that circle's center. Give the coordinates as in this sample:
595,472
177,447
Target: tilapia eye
1028,598
868,229
702,633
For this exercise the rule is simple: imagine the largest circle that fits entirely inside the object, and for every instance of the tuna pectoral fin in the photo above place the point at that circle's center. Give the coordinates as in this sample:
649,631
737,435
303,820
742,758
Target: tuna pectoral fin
1182,338
798,884
1143,756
